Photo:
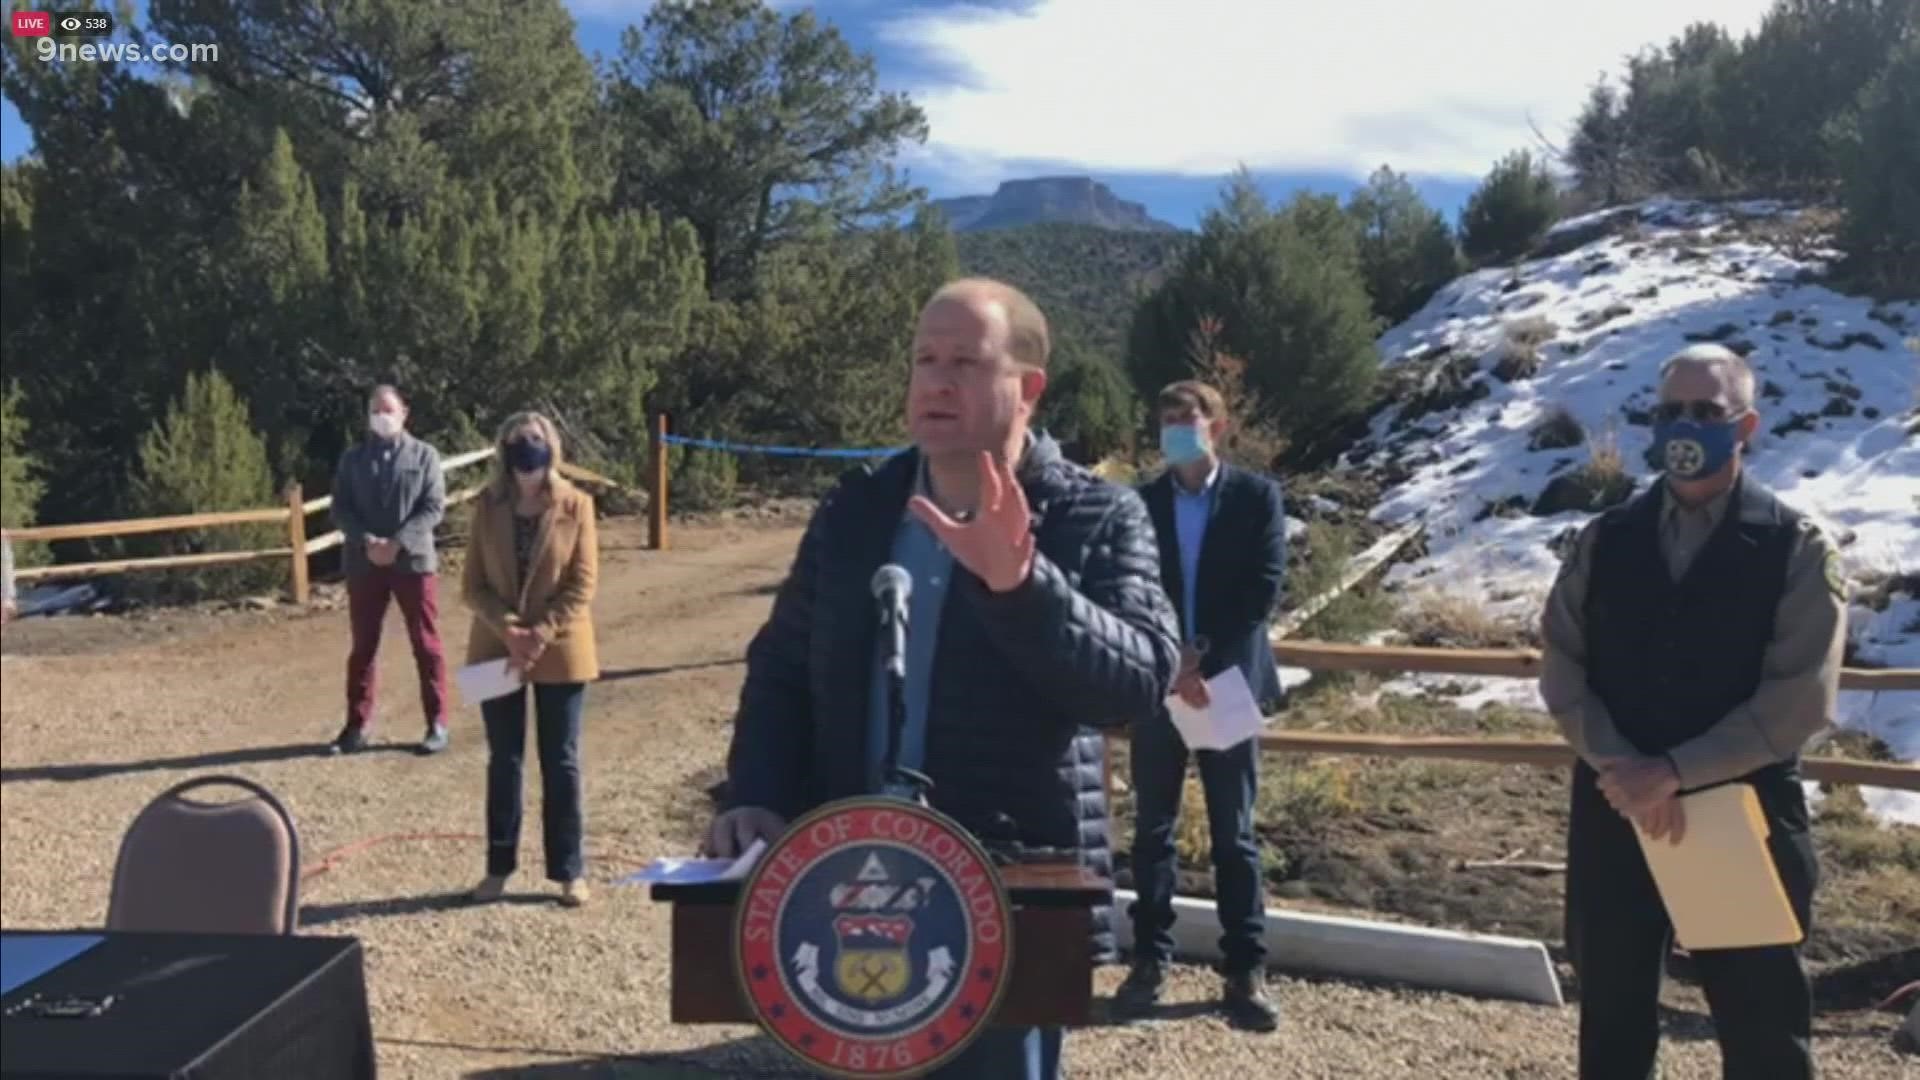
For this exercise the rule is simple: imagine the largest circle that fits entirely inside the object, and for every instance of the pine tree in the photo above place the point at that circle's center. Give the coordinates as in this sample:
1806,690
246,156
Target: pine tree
1406,250
204,455
1510,211
1287,288
757,128
1088,406
1600,153
19,489
1878,150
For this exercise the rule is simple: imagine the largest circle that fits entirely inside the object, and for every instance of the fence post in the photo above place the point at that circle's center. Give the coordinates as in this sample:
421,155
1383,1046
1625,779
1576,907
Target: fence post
657,485
297,540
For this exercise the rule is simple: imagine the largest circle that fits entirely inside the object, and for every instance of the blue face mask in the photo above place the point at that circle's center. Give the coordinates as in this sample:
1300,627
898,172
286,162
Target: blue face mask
527,455
1690,449
1182,444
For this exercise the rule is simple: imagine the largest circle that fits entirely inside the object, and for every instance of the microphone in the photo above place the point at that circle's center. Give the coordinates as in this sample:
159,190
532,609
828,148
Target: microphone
892,587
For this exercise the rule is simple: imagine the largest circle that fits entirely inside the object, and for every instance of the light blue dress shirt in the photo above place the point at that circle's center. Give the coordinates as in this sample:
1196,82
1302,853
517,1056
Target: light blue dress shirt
1191,509
930,565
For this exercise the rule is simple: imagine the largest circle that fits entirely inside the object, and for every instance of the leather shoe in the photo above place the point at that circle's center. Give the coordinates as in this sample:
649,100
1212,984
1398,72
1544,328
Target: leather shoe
1247,1004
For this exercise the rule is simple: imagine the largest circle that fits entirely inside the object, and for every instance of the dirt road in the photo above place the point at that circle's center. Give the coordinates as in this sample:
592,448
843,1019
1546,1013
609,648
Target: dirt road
99,715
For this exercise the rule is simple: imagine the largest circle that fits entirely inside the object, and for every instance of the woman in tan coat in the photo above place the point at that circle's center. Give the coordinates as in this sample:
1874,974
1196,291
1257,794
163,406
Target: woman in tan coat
529,579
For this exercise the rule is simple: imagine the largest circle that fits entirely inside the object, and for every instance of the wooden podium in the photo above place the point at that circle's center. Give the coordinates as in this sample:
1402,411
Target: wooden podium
1051,983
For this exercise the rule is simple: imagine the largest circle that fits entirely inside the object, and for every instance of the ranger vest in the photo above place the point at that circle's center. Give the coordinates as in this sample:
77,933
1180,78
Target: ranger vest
1671,659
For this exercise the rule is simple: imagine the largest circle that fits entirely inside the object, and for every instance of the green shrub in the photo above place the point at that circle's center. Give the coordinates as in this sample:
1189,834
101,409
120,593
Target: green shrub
204,456
701,480
20,488
1510,211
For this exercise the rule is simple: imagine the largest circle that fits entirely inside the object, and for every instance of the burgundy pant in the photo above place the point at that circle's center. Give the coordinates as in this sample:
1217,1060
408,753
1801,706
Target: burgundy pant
419,599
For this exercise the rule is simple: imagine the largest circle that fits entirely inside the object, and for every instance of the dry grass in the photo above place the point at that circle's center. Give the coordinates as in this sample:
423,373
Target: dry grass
1593,485
1558,430
1530,330
1519,355
1801,237
1451,619
1517,361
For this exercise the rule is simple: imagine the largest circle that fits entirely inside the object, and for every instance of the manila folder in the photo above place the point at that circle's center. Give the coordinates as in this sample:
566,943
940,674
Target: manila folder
1719,884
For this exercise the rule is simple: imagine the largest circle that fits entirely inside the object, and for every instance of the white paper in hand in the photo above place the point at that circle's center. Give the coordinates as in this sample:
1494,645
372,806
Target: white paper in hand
487,680
1230,718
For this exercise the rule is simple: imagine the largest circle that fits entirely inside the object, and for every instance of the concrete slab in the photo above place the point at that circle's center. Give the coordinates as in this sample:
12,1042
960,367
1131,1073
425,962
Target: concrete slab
1501,967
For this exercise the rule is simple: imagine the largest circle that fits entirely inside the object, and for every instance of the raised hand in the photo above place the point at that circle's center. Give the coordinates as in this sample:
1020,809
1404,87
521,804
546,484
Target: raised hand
997,543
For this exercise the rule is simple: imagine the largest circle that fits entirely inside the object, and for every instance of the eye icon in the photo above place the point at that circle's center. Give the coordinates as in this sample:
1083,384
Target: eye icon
71,22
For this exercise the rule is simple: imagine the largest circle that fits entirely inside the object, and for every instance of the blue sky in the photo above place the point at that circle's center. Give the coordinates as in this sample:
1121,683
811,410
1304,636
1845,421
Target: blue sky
1161,99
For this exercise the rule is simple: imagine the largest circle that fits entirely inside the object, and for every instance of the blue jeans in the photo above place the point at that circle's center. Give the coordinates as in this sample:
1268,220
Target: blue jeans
1008,1053
1158,762
556,708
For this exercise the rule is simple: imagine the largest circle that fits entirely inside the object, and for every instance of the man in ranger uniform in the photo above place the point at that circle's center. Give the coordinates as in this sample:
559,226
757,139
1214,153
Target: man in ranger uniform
1693,638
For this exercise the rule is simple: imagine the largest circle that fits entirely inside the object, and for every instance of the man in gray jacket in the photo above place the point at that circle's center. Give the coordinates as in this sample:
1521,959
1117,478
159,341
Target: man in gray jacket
388,495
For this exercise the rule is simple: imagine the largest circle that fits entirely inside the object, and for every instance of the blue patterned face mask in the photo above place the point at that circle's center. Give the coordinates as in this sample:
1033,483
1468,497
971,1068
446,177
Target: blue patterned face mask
1690,449
1182,444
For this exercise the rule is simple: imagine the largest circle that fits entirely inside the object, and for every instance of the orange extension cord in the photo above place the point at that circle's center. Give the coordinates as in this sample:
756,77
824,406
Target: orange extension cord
327,861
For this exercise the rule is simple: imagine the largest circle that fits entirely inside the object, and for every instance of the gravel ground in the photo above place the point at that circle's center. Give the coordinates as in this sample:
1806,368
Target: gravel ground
101,714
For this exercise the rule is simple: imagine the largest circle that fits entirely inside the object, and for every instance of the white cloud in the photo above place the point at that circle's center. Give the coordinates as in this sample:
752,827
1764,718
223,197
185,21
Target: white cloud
1439,87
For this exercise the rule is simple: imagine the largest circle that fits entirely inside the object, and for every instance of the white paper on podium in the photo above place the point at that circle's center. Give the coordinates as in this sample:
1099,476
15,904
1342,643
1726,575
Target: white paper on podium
487,680
1230,718
677,871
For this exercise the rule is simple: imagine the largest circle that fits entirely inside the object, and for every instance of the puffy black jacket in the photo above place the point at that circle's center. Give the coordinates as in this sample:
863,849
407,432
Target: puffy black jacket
1090,641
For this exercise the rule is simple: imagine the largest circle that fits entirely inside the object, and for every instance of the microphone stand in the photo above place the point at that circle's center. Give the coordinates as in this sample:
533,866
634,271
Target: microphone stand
897,780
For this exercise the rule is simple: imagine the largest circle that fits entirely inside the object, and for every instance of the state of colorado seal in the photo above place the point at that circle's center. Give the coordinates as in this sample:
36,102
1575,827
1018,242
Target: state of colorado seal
874,939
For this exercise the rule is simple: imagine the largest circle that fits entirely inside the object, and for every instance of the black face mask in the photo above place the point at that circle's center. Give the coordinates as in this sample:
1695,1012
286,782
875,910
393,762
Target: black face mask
528,455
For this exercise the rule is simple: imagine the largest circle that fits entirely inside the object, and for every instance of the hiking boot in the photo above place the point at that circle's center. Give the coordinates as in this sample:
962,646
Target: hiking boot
574,893
435,741
1247,1004
1140,992
351,740
491,888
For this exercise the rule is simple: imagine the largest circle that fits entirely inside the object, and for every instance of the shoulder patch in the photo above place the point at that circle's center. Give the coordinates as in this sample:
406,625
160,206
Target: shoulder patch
1836,574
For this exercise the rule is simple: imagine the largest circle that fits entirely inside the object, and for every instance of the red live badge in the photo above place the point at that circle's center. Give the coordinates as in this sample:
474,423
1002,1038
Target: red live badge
32,23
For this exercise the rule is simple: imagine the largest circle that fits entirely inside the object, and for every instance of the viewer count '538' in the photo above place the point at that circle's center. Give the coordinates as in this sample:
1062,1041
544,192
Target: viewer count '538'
48,26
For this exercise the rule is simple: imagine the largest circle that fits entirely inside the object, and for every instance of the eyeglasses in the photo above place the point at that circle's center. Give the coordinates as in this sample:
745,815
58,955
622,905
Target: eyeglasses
1702,411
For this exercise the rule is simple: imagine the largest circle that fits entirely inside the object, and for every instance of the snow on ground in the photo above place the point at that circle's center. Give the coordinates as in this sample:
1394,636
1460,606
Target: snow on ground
1839,380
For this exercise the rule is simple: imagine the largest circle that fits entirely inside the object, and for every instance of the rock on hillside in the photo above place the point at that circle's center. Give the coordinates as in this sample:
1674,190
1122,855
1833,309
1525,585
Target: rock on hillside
1073,200
1523,408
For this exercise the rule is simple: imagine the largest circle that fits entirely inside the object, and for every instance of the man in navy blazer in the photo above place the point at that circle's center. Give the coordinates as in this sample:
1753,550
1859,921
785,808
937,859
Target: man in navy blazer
1223,555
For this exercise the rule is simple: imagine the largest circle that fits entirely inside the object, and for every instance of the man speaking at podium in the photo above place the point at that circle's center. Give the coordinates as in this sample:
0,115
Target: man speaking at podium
1694,638
1036,611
